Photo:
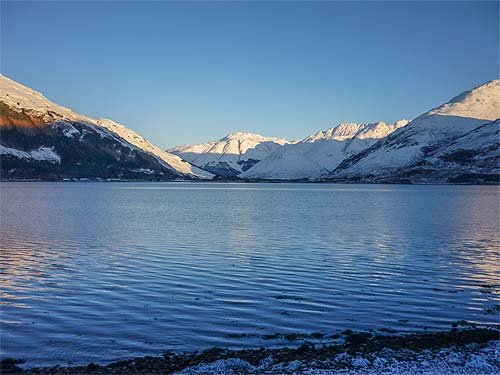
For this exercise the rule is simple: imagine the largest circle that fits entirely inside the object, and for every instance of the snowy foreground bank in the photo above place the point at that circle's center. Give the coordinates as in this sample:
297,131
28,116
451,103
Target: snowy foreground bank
459,351
472,359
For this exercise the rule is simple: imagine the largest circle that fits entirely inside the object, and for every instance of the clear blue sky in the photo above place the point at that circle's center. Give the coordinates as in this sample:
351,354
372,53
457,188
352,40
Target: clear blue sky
190,72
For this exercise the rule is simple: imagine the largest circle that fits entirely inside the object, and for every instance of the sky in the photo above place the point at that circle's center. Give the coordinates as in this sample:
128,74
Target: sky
190,72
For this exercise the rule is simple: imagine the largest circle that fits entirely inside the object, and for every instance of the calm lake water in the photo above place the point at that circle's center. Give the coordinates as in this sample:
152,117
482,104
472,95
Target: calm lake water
103,271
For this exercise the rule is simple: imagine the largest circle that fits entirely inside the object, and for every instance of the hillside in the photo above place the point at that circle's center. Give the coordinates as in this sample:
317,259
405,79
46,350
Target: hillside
391,157
43,140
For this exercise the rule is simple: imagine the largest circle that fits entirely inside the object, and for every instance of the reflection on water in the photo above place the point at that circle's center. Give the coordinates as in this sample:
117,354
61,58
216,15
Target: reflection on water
100,271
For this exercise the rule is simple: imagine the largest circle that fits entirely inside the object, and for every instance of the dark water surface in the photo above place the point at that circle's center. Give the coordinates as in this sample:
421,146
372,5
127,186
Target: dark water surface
102,271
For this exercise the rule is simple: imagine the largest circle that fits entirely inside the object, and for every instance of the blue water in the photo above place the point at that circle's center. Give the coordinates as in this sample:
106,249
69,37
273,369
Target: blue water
103,271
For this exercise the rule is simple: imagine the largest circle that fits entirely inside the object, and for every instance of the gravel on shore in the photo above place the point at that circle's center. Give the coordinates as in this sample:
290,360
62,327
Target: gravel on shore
459,351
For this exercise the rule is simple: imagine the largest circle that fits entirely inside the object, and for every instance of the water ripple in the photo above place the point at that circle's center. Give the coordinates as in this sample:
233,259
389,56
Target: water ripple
95,272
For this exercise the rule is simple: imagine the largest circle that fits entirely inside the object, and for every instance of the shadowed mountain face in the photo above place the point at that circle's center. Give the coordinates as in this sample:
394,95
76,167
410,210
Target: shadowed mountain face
42,140
471,158
73,150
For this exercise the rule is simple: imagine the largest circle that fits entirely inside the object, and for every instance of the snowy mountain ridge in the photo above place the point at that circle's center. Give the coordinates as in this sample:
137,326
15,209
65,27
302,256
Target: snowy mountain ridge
345,131
481,103
320,153
230,155
237,143
25,108
434,128
143,144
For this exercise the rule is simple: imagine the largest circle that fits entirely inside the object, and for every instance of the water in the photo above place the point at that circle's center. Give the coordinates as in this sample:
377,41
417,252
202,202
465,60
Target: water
103,271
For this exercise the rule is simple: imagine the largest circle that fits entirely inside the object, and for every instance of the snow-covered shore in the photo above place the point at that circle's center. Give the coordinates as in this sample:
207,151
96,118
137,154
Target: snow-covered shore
472,359
459,351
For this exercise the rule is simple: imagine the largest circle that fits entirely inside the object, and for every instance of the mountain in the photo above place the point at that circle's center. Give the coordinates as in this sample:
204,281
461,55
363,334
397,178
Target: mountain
230,155
393,158
471,158
455,142
43,140
319,153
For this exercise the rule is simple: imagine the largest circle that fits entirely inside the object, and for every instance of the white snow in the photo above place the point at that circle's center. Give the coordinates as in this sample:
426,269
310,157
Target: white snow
41,154
21,98
231,149
169,160
482,102
18,96
67,128
482,138
321,152
476,152
143,170
347,131
470,360
404,147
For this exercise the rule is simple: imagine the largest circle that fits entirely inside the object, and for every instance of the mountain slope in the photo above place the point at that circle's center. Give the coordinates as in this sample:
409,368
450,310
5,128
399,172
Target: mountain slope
75,145
230,155
319,153
471,158
409,145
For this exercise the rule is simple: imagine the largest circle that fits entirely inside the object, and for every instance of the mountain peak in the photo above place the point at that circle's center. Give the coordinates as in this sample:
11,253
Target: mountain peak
240,134
251,137
20,98
230,155
482,102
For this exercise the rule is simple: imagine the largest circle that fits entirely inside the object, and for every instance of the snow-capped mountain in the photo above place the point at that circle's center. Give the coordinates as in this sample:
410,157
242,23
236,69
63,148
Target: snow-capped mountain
392,156
321,152
231,155
44,140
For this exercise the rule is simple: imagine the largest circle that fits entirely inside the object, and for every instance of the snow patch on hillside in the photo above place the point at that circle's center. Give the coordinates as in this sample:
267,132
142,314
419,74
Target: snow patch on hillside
40,154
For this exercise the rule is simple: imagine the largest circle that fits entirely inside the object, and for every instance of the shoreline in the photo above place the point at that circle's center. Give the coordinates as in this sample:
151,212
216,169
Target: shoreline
360,352
257,181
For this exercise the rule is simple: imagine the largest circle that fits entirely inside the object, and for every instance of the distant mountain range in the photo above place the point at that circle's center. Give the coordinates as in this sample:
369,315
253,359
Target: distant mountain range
320,153
457,142
231,155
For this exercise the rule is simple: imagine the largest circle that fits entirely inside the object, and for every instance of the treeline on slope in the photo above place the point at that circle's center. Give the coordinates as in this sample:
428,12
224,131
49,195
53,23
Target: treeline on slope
89,156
